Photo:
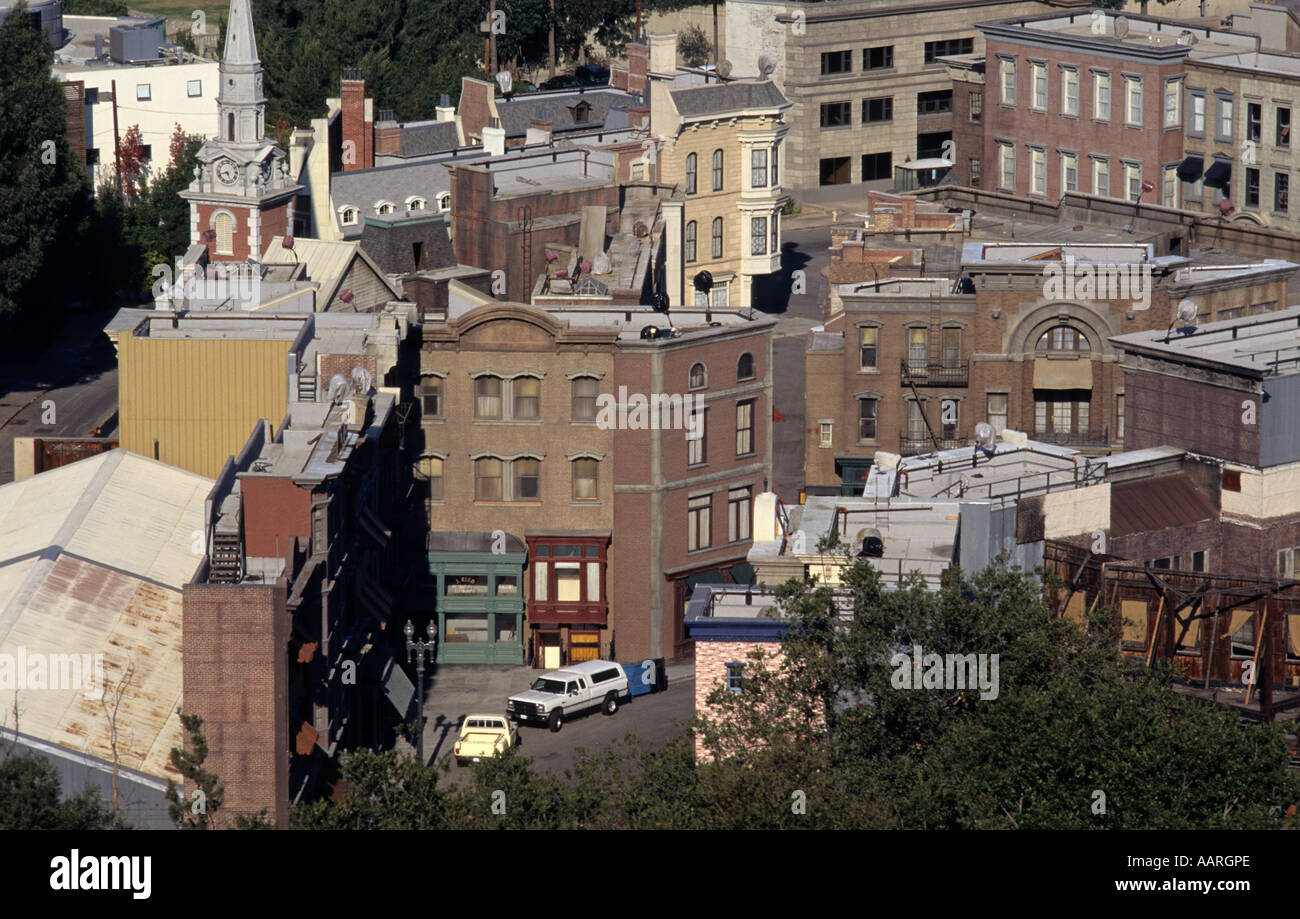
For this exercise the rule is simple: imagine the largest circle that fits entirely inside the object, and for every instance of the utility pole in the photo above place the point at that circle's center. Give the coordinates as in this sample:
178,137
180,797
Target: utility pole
550,42
492,34
117,140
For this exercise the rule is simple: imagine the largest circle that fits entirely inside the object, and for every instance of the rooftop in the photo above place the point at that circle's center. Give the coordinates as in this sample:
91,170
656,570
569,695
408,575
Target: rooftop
1122,34
1257,346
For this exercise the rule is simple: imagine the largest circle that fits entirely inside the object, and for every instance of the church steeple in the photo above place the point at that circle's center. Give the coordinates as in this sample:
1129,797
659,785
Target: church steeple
240,100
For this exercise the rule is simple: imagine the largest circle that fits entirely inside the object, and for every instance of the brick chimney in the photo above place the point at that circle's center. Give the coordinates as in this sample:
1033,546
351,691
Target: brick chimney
663,54
358,122
388,134
638,65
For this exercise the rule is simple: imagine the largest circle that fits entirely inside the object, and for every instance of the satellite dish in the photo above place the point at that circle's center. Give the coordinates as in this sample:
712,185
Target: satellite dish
724,69
985,436
1121,26
601,264
361,380
339,388
506,80
659,301
766,65
704,282
650,331
1188,310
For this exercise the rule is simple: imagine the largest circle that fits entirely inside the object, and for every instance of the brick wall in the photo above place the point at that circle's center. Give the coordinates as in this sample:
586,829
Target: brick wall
1199,416
711,659
358,131
235,640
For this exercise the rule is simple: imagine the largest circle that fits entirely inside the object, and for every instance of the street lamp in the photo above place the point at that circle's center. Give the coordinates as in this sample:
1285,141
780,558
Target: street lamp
418,650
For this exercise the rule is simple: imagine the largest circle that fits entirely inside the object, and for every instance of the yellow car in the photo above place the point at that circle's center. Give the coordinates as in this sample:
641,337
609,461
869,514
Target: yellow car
483,737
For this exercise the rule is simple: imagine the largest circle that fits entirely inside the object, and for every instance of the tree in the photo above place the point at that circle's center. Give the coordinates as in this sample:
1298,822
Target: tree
694,46
132,162
199,812
30,799
44,192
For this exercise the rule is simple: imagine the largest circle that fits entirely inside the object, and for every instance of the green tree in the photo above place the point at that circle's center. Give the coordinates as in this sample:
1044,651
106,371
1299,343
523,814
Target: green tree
31,799
198,812
44,192
694,46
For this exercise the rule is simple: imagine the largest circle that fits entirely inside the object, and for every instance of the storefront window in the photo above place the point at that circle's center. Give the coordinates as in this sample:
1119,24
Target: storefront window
508,586
507,629
466,627
467,585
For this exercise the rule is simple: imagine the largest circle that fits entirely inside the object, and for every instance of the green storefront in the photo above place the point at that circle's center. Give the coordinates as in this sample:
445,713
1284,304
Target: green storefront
478,583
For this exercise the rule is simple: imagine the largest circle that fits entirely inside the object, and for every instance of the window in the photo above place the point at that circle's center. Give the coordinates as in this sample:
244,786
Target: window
867,409
1038,171
975,173
976,107
758,168
1281,191
698,377
527,476
1198,560
950,347
1069,172
143,92
527,398
487,398
1252,187
745,367
1169,186
738,507
386,207
1101,95
827,429
1069,90
946,47
717,237
1063,338
735,676
585,392
350,216
758,236
487,479
1038,86
1133,101
1254,121
697,435
867,339
1223,118
948,410
881,58
1007,80
1119,416
916,350
224,225
92,95
1173,103
775,224
1064,411
834,171
877,166
416,203
1100,175
915,420
717,170
194,89
699,531
835,114
837,62
933,103
444,202
998,411
776,161
1283,127
431,396
691,161
1197,119
92,156
745,427
689,242
429,469
1006,166
877,110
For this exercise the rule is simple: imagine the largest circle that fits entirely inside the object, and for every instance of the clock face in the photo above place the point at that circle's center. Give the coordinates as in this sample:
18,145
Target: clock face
226,172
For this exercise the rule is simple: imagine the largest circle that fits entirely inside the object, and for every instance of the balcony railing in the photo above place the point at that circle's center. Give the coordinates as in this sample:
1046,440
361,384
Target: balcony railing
1074,438
943,373
910,446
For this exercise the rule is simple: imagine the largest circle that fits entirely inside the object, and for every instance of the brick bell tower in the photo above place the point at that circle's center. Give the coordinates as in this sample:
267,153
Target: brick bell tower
242,195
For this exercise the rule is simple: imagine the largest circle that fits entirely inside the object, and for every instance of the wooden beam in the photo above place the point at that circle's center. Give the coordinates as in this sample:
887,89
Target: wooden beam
1155,633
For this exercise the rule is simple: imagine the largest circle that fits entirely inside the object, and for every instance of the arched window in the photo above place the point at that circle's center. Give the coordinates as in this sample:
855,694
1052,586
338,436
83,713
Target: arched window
444,202
415,203
1063,338
691,164
224,226
717,170
745,367
689,243
385,207
717,237
349,216
698,377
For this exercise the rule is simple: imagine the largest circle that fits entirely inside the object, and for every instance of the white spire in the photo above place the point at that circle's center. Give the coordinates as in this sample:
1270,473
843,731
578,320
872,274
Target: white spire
241,43
240,100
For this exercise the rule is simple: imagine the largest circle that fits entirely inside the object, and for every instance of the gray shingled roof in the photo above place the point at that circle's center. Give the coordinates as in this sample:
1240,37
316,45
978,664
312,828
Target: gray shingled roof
720,98
361,188
558,108
425,137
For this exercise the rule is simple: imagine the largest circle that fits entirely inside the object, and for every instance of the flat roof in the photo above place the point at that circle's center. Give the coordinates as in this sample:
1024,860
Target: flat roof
1260,345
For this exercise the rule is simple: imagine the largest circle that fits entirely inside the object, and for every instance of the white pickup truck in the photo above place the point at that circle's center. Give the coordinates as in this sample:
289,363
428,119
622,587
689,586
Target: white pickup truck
558,695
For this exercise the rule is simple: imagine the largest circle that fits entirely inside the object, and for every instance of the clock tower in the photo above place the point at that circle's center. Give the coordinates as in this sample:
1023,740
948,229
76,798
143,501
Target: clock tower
242,195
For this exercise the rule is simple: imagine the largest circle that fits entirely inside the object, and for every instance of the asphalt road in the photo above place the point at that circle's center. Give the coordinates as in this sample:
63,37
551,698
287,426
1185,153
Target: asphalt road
654,718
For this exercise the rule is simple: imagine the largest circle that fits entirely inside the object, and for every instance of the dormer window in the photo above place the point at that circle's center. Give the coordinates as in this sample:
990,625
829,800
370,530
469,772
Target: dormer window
349,216
581,112
416,203
444,202
385,207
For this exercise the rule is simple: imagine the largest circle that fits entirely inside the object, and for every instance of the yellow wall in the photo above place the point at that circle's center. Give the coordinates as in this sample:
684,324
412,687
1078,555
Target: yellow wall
200,399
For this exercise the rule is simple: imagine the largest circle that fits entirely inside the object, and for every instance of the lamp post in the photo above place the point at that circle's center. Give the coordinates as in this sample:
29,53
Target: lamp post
418,650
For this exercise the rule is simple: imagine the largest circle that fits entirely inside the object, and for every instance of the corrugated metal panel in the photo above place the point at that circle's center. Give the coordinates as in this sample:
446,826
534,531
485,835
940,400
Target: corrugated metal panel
1157,504
198,398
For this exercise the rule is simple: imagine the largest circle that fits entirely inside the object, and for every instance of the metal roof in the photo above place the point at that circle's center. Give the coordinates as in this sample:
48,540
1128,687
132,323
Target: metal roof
1157,504
722,98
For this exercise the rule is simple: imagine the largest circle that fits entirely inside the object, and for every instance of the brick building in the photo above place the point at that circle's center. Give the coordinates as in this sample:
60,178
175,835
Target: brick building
911,364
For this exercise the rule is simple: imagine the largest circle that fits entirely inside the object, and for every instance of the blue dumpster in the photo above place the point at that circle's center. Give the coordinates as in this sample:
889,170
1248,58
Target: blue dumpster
643,676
